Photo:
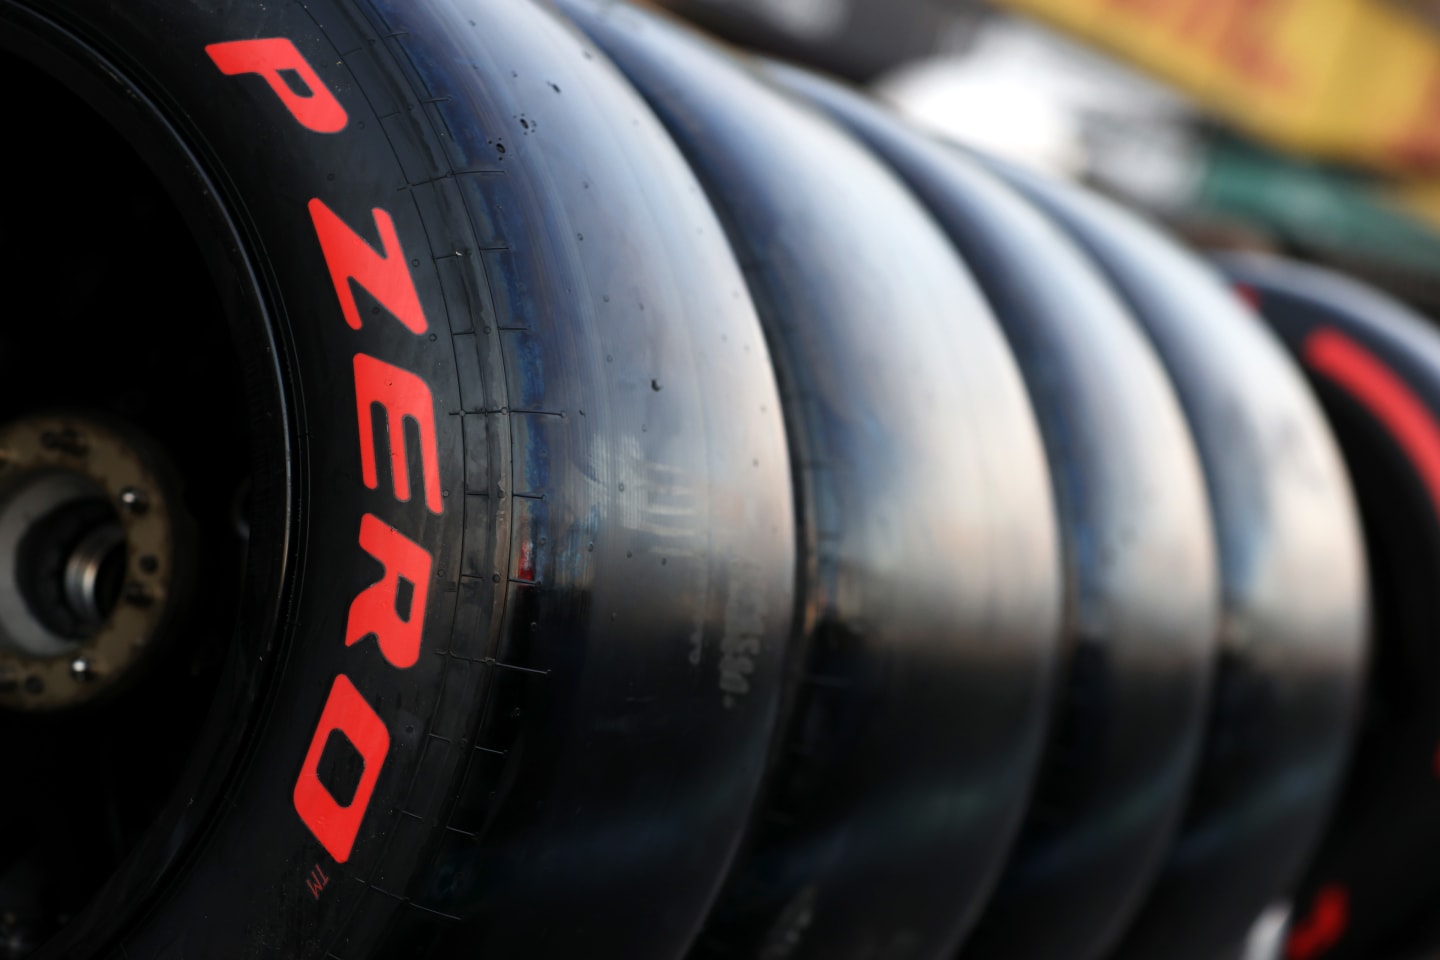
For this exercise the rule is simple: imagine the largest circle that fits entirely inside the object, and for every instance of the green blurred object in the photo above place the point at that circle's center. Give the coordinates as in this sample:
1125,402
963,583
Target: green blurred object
1338,213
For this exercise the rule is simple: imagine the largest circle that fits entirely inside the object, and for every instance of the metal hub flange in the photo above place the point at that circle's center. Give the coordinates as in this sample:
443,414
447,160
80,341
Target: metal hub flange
87,558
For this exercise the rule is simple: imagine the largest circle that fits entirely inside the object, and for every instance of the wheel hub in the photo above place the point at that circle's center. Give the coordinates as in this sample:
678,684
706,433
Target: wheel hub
87,558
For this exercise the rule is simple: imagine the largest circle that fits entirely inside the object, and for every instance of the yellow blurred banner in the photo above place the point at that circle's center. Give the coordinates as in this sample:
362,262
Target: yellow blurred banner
1349,80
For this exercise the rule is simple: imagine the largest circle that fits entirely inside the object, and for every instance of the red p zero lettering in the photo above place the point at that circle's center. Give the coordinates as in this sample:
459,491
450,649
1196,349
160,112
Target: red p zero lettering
402,394
272,58
385,275
372,612
336,826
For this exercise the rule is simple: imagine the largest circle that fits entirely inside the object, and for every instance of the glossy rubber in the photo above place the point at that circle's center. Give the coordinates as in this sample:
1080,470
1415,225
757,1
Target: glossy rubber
1371,890
576,752
930,575
1293,581
1140,565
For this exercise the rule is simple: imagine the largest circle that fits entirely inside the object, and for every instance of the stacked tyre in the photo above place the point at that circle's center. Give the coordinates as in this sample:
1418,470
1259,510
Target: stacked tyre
678,511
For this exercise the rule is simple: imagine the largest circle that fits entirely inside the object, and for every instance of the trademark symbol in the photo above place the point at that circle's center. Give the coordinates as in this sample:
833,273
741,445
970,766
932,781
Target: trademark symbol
316,881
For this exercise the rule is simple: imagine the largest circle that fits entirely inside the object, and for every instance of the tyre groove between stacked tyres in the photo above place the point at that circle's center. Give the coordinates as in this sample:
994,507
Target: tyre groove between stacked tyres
768,618
921,682
1294,591
1139,557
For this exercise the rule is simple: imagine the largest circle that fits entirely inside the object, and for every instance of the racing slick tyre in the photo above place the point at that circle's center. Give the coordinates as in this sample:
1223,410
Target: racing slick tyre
1370,891
1294,614
930,582
518,539
1142,597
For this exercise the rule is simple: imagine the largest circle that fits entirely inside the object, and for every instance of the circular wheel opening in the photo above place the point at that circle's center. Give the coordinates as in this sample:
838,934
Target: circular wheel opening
129,470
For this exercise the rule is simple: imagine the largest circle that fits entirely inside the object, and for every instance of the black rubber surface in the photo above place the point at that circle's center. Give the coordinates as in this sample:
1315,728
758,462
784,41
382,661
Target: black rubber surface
573,756
1293,578
1373,890
930,577
1143,597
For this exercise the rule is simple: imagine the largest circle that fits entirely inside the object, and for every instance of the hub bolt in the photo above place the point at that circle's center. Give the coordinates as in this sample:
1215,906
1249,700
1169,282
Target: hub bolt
134,500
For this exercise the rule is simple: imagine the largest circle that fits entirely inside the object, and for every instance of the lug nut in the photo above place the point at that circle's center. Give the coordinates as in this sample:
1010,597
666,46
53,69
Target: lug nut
134,500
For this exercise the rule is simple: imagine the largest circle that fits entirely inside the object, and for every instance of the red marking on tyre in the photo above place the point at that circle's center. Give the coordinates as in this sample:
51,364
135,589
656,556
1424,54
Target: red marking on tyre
273,58
1381,391
1249,295
373,612
1321,929
334,825
385,275
316,881
403,396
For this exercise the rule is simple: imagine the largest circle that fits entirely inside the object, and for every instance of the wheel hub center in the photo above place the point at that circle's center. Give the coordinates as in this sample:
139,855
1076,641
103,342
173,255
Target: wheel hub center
87,558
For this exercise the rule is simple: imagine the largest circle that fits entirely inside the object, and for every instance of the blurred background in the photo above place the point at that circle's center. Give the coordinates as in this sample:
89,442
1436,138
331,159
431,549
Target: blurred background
1306,127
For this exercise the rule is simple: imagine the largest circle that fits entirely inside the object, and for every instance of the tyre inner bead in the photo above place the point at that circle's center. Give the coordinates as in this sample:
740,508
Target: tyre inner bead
87,558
